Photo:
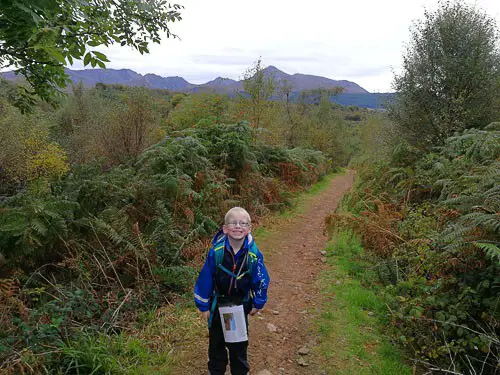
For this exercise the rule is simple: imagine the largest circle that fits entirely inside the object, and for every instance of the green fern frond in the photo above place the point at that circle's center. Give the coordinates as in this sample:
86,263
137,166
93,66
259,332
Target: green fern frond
487,221
492,250
387,271
455,233
13,222
38,226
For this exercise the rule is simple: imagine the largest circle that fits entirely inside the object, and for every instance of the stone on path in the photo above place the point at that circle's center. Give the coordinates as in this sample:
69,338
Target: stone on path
264,372
303,351
276,312
271,327
302,362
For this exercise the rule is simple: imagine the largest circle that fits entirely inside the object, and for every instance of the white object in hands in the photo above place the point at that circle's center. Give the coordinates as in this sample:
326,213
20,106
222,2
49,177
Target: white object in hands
233,323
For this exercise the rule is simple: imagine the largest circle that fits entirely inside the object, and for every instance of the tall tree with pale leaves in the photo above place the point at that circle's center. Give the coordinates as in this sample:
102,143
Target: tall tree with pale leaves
450,79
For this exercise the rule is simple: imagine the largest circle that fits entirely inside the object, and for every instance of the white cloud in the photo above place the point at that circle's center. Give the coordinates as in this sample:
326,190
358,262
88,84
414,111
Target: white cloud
357,40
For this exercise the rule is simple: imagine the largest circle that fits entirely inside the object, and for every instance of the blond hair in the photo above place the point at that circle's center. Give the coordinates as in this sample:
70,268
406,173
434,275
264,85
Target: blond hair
234,210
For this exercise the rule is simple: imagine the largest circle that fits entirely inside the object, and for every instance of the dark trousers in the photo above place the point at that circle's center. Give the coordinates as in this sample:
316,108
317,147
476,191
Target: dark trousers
217,353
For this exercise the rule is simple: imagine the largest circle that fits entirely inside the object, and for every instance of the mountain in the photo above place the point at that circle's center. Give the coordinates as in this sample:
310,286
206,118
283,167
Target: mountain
90,77
302,82
154,81
219,81
220,85
353,93
278,75
127,77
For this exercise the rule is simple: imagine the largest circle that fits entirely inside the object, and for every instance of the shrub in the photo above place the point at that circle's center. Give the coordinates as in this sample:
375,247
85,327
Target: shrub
440,249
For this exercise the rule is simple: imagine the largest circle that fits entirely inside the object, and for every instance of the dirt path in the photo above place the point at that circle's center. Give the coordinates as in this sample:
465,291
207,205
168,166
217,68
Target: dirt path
293,259
292,291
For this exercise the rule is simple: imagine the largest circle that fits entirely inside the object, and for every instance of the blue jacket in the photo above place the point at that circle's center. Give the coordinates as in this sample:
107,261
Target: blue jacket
205,285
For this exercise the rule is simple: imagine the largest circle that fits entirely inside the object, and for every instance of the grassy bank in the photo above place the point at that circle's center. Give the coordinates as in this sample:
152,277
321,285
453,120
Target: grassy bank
351,324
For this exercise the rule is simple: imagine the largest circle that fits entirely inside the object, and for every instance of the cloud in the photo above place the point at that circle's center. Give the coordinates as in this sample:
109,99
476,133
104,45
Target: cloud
358,40
220,60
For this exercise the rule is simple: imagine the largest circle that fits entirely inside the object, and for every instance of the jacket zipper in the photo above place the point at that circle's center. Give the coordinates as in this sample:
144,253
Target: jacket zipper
234,269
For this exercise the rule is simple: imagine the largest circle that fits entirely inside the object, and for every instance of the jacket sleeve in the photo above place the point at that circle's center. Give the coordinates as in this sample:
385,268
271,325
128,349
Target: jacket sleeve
260,282
204,284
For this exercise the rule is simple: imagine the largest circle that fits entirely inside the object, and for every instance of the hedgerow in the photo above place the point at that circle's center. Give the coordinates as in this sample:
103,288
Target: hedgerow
84,254
433,228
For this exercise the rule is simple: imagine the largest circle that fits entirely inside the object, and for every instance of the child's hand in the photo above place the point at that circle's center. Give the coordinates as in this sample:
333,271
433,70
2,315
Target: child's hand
206,314
253,311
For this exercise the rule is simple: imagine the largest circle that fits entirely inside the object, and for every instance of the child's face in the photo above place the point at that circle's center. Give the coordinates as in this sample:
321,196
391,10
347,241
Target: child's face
237,227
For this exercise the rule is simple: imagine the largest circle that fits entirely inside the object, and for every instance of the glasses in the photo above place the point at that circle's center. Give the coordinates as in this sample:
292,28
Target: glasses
243,224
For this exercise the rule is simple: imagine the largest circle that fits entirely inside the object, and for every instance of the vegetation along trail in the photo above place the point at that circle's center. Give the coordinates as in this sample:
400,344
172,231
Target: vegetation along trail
292,251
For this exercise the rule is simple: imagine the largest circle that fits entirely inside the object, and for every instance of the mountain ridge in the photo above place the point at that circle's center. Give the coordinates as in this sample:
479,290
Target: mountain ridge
128,77
353,93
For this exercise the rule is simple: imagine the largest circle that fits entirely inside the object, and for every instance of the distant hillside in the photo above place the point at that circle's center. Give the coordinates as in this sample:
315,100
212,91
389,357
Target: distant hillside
89,77
154,81
368,100
353,93
302,82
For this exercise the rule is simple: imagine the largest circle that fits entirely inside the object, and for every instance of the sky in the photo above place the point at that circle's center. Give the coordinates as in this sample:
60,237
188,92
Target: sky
362,41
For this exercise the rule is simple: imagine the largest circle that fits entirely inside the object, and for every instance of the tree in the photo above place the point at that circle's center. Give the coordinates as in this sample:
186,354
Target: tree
132,129
26,151
285,88
259,87
451,75
193,108
38,37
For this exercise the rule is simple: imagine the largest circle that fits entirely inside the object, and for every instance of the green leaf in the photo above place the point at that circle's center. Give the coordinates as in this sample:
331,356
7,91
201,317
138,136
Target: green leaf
87,59
59,57
100,56
94,43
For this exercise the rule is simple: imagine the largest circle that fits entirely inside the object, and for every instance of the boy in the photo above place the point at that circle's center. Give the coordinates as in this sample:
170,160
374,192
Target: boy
234,274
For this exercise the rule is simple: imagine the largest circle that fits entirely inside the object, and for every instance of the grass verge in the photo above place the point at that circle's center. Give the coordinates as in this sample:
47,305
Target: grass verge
152,347
350,326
